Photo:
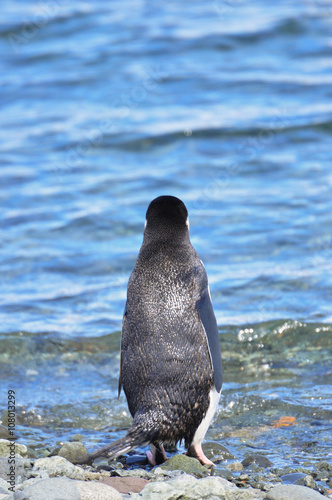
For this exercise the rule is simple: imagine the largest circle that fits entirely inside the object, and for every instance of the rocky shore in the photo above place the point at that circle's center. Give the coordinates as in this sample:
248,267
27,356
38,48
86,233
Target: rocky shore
59,477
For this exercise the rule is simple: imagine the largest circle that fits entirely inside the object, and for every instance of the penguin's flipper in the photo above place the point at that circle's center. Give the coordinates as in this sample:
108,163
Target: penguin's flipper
120,382
208,319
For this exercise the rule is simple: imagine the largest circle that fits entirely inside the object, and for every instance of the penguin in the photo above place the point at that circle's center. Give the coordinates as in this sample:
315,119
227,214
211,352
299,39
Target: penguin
170,366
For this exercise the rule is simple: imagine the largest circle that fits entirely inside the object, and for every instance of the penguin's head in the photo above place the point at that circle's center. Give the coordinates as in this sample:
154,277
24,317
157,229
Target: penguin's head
166,218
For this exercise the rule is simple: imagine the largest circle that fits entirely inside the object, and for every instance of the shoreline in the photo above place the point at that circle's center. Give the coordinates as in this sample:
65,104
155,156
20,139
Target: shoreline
179,477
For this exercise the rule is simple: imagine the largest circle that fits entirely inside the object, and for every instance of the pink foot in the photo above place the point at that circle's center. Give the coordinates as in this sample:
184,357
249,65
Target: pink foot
157,455
197,452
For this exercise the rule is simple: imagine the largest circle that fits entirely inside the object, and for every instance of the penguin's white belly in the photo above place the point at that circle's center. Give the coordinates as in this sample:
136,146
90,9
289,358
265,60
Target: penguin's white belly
204,425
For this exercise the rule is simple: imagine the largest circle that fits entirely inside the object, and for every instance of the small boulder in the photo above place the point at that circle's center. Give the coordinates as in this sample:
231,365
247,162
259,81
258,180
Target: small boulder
58,466
97,491
293,492
52,489
75,452
6,447
186,464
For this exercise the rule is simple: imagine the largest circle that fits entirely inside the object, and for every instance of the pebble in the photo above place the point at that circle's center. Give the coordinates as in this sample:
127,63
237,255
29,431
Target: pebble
4,433
293,492
75,452
260,460
235,466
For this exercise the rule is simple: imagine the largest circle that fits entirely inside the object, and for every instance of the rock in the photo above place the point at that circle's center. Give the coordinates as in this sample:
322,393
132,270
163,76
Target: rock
226,474
4,485
5,447
257,459
4,433
51,489
190,488
216,452
58,466
77,437
96,491
307,481
75,452
7,496
234,466
126,484
292,478
136,460
20,472
189,465
139,473
293,492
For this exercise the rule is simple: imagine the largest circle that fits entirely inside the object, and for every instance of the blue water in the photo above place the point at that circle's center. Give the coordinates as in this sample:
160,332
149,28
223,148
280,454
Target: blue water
225,104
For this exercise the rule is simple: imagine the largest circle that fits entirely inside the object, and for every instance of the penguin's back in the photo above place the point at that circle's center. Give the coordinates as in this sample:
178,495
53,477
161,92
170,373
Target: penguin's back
166,368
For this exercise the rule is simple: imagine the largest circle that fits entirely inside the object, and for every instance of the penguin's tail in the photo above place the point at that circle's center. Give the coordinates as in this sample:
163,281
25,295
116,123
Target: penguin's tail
138,434
132,439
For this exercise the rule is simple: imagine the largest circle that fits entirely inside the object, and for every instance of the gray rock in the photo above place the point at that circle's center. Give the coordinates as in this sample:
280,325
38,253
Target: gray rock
58,466
235,466
97,491
20,449
7,496
292,478
4,433
136,460
54,488
260,460
20,472
190,488
4,485
189,465
77,437
74,452
307,481
216,451
293,492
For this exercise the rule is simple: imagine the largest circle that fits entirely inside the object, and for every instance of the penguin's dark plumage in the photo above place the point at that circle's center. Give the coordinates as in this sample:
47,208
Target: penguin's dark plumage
170,352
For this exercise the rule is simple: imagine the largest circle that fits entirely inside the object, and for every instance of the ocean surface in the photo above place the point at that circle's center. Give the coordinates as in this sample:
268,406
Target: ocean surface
225,104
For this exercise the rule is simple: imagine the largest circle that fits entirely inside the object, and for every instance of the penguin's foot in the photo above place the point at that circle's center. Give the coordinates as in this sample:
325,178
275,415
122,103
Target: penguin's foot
197,452
157,454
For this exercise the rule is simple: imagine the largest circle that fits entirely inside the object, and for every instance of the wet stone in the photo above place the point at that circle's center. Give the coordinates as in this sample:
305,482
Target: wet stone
226,474
4,434
307,481
216,452
292,478
260,460
136,460
235,466
186,464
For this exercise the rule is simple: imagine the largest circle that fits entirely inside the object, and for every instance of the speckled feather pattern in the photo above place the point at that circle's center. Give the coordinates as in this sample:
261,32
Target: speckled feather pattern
166,370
